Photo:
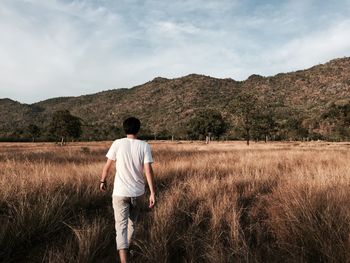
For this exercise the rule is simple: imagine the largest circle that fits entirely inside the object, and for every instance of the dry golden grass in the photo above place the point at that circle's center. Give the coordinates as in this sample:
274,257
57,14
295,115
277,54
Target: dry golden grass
223,202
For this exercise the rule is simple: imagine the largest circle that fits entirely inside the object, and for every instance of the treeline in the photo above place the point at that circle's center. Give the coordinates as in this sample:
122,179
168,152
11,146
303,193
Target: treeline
252,117
247,116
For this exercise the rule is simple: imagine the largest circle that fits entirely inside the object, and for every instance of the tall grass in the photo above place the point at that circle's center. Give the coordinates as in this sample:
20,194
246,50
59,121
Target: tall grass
223,202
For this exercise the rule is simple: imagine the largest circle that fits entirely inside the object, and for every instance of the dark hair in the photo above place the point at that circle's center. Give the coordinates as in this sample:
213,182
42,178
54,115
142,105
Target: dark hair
131,125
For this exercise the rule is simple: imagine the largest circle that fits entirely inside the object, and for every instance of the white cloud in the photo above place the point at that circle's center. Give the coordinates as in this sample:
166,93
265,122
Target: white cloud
58,48
57,53
176,28
317,47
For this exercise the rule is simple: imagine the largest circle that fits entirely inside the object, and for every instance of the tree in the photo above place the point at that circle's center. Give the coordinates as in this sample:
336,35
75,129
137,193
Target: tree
64,125
295,128
206,122
175,116
34,131
265,124
246,106
338,116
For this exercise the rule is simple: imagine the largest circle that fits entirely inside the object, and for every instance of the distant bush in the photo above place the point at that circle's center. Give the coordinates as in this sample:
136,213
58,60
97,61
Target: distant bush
85,149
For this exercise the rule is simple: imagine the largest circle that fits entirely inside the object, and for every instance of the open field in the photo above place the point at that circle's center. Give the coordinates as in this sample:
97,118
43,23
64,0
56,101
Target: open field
223,202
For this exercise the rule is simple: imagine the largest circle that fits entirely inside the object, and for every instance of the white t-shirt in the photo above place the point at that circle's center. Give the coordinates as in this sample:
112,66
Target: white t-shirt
130,155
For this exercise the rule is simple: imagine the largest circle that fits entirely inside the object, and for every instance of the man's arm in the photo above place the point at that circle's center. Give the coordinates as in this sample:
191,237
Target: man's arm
103,185
149,176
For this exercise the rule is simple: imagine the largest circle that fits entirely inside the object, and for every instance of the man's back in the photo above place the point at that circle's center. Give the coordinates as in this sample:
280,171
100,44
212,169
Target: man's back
130,156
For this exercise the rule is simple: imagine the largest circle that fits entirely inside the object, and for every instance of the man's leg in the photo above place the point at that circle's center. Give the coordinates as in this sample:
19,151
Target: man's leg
133,216
123,254
121,215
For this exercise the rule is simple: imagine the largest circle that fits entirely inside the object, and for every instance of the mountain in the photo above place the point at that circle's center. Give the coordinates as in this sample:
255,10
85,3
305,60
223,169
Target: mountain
318,96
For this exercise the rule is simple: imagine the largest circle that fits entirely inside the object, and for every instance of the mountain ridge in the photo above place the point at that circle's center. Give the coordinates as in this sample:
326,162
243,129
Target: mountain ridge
163,103
157,78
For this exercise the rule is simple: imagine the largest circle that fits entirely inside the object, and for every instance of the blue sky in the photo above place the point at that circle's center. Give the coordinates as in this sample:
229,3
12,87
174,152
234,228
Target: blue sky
51,48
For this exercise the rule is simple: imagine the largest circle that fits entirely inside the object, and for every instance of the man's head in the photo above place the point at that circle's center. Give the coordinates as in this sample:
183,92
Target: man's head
131,125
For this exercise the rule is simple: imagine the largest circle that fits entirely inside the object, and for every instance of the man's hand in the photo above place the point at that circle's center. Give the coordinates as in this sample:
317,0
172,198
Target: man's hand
103,183
103,186
149,176
152,200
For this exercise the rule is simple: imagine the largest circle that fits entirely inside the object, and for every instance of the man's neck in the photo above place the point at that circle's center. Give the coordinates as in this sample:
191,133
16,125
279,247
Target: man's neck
131,136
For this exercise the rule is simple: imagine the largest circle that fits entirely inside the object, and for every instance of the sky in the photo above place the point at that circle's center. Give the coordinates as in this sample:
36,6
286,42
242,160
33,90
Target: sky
53,48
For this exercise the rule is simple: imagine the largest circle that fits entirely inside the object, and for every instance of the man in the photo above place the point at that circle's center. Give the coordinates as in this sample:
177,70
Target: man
133,158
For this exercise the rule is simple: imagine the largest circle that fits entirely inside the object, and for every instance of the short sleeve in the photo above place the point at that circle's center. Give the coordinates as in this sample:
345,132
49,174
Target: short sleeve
148,154
112,152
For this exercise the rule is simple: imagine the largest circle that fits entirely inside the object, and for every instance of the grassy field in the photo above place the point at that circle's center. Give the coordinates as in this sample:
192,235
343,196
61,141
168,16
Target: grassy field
223,202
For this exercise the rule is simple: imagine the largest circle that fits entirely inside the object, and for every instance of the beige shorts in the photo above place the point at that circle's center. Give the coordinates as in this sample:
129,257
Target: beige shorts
126,213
